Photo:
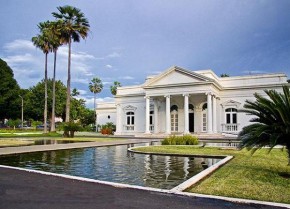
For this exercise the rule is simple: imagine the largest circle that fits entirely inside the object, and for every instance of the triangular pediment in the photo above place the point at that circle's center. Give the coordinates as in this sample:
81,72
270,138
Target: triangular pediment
176,75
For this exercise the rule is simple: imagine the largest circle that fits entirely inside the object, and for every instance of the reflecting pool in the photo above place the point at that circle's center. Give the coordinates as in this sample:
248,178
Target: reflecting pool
114,164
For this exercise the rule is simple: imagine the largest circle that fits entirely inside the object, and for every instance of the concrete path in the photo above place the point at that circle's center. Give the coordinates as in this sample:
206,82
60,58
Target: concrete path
49,147
22,189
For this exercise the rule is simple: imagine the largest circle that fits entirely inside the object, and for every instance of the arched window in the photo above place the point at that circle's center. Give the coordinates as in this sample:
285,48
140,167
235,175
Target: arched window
191,107
231,116
174,118
130,120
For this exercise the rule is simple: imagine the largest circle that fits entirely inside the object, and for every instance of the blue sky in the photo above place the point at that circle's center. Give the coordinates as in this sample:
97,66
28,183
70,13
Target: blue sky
131,39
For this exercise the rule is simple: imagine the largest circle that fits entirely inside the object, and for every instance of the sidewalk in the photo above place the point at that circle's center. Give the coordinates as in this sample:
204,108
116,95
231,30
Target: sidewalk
39,148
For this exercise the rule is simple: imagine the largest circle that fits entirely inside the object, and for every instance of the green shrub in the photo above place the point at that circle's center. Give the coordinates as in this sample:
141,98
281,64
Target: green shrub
180,140
108,128
70,128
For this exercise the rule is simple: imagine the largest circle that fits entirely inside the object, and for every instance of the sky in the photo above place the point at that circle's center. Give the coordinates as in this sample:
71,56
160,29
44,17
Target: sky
131,39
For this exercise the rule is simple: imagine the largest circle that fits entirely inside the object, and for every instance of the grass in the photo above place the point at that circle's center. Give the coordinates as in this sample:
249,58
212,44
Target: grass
14,142
258,176
9,139
29,134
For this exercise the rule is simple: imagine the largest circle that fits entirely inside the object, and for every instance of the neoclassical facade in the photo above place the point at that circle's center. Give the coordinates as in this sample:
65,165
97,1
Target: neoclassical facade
180,101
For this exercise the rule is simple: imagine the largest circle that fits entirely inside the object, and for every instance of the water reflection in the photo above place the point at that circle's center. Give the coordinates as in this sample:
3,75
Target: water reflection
116,164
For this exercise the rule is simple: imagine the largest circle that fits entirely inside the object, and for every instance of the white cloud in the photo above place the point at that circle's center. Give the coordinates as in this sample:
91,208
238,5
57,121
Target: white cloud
19,58
82,92
155,72
107,82
250,72
114,55
109,66
90,101
19,44
80,80
76,56
126,78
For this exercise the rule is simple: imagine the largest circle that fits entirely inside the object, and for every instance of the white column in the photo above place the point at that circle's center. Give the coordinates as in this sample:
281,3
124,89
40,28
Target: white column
209,113
156,126
167,127
147,130
214,125
186,131
118,121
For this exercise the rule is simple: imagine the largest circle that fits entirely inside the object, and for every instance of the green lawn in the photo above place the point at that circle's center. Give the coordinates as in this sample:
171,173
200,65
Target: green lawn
14,142
28,134
258,176
21,139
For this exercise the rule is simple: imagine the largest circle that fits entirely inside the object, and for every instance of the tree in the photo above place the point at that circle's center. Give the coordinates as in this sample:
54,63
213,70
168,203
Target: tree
10,102
54,29
41,41
95,86
75,26
223,75
114,87
75,92
34,99
272,121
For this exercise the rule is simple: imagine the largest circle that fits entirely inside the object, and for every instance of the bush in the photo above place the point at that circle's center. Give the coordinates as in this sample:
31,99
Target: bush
108,128
70,129
180,140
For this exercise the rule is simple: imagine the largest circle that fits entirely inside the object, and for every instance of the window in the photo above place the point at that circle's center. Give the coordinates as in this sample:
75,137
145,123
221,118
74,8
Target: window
151,121
130,121
204,117
231,115
174,118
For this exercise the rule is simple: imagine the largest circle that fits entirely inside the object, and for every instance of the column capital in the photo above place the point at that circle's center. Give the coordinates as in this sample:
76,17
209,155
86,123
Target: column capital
185,95
147,97
167,96
209,93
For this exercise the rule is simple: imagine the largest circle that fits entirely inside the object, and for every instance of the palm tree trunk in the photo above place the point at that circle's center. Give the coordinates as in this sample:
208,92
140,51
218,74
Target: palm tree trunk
52,125
67,110
45,95
95,112
288,150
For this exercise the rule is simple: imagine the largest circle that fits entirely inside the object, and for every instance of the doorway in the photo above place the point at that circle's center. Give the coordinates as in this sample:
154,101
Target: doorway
191,122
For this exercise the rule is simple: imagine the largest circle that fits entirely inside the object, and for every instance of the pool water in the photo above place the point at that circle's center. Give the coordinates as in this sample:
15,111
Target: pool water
114,164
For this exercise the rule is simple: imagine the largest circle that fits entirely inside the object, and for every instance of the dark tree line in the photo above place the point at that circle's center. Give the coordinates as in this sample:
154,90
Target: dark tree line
10,102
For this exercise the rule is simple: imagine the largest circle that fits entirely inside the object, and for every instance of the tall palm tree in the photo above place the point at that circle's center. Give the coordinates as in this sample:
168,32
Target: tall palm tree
75,26
95,86
114,87
272,121
56,41
41,41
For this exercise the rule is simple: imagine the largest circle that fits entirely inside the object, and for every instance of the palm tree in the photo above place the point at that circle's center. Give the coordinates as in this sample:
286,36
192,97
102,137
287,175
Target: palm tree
41,41
75,26
95,86
114,87
272,121
55,41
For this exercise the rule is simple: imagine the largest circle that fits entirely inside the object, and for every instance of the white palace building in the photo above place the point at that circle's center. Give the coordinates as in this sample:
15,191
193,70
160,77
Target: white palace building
180,101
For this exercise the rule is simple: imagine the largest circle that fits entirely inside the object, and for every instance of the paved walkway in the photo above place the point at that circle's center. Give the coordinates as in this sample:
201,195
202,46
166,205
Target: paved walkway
49,147
23,189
